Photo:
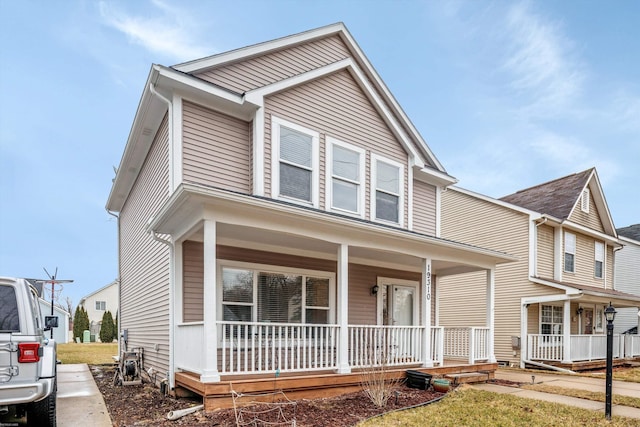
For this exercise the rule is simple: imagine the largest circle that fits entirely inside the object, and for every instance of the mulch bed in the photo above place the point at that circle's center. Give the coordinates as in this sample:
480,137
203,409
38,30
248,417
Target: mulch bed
139,405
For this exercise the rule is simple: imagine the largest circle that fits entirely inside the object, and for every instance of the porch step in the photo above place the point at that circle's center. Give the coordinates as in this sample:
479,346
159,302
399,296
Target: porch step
470,377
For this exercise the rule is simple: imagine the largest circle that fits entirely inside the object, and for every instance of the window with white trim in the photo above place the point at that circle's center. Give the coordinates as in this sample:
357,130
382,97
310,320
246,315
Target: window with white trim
345,177
275,297
569,252
387,184
584,200
551,317
295,164
101,305
599,260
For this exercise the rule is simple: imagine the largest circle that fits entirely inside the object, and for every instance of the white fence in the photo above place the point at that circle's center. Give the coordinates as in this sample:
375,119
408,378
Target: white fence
189,339
581,347
471,344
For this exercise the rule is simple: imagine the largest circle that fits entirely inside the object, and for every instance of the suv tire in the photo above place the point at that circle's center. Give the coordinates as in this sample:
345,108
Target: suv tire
43,413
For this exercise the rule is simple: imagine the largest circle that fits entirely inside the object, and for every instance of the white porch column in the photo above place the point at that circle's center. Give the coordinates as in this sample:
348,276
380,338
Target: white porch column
491,310
427,362
524,337
210,345
343,309
566,332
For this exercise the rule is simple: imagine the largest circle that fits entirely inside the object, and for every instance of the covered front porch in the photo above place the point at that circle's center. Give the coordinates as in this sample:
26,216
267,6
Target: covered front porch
570,331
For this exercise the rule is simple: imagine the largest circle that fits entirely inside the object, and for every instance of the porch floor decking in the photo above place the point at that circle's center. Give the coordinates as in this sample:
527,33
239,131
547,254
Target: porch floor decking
589,365
301,386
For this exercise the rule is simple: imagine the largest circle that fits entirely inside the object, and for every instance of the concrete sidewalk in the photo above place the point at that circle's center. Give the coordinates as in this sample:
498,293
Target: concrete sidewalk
79,401
566,381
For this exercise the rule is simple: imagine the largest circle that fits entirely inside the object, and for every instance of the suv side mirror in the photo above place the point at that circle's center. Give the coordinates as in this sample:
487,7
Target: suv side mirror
50,322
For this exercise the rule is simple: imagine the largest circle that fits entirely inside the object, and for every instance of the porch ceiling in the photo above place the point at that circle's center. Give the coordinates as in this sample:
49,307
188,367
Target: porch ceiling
265,224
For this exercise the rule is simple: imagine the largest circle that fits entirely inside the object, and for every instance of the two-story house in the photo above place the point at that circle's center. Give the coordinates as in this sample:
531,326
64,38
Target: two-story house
97,303
549,306
627,275
279,213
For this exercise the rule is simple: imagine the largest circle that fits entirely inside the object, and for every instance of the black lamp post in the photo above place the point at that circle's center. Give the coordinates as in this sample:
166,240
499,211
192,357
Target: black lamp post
610,315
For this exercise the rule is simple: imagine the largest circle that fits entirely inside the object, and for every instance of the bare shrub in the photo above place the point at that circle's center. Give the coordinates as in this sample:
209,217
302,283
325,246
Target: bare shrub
378,383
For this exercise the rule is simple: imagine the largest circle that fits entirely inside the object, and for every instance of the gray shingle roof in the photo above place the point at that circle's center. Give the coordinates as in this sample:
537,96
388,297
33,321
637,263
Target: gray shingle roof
632,232
555,198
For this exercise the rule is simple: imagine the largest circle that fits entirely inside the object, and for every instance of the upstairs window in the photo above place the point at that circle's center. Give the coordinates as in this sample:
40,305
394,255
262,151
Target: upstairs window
387,185
584,201
599,260
569,252
345,175
101,305
294,162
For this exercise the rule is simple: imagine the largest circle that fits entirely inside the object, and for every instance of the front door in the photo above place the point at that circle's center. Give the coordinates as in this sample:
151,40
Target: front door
587,321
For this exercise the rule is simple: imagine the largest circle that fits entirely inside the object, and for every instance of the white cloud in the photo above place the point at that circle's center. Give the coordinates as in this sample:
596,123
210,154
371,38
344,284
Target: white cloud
540,61
169,33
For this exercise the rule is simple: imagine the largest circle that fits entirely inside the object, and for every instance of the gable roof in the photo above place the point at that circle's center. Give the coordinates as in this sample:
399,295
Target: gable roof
84,298
556,198
630,232
559,198
162,81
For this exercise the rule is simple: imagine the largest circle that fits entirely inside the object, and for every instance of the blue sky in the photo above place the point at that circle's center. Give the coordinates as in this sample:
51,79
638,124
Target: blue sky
507,94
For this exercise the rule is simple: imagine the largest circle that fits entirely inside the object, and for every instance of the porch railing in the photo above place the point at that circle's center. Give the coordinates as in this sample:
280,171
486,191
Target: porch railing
189,338
256,347
471,343
384,345
581,347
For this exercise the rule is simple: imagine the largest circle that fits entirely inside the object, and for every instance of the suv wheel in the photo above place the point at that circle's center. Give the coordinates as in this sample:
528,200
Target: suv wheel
43,413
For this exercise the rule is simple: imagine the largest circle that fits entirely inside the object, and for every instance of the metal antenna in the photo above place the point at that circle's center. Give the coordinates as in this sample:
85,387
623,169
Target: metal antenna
53,281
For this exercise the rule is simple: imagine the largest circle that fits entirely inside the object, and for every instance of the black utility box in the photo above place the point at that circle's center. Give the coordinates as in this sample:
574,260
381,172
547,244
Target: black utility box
417,379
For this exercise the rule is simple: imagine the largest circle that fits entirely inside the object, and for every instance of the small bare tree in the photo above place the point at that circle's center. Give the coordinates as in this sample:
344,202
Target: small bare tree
376,380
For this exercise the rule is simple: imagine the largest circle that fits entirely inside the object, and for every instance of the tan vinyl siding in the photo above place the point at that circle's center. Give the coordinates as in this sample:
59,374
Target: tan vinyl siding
279,65
144,262
216,149
590,220
545,251
609,269
335,106
585,263
472,220
192,281
424,208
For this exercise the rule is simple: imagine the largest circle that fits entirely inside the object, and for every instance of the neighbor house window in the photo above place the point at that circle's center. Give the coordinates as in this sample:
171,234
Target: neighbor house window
275,297
101,305
295,165
387,182
599,260
569,252
584,201
345,175
551,320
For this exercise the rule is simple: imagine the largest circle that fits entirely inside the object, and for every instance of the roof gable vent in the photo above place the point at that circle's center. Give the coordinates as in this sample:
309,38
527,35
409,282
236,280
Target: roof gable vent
584,203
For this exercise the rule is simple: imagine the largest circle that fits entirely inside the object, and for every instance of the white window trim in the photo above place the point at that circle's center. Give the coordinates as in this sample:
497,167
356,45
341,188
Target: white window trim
374,174
275,161
331,142
265,268
584,200
565,251
540,322
595,259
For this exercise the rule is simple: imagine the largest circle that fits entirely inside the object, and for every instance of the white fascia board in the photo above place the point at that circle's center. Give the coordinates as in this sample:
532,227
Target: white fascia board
379,83
533,214
603,206
591,232
628,240
549,298
569,290
434,177
203,64
256,97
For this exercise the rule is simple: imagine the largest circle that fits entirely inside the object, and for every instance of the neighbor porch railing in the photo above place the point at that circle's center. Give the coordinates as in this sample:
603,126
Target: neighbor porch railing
581,347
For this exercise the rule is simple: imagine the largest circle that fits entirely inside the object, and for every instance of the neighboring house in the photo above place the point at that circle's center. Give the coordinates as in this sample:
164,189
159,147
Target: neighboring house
627,275
549,305
97,303
279,213
61,333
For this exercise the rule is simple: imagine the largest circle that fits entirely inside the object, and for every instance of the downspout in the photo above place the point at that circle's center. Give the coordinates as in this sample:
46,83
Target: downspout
117,217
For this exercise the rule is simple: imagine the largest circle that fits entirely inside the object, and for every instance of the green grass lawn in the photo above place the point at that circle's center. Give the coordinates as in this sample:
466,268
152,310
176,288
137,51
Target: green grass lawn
91,353
470,407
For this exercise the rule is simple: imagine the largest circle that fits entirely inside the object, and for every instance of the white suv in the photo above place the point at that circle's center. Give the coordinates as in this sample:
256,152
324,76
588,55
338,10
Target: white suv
27,356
